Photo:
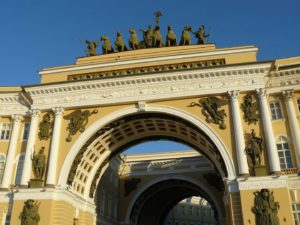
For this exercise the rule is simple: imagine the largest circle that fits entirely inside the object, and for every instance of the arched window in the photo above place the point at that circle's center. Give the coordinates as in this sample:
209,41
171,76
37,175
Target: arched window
2,162
284,153
19,169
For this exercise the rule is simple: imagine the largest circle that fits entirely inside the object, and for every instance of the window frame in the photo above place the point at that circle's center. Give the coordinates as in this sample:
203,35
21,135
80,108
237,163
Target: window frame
283,142
7,132
276,111
26,130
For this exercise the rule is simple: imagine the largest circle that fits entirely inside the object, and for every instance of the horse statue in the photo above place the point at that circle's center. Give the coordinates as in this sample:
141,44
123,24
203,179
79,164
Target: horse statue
185,36
133,40
91,47
171,39
147,41
119,43
157,38
106,47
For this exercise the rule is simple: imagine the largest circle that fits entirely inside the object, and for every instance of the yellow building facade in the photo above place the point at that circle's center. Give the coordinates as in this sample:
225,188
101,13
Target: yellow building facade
84,115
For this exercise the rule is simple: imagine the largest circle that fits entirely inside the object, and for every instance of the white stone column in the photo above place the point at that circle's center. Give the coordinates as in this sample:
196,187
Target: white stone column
293,122
268,131
53,155
9,162
238,134
30,147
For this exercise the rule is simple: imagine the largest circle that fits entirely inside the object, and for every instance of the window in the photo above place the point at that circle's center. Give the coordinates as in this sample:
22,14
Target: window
296,213
26,131
2,162
5,131
19,169
276,110
284,153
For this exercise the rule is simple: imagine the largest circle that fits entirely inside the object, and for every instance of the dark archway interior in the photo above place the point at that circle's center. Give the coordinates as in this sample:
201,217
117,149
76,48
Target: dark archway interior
152,207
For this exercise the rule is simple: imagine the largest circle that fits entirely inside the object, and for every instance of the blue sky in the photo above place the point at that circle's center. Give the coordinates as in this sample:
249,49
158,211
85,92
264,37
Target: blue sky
38,34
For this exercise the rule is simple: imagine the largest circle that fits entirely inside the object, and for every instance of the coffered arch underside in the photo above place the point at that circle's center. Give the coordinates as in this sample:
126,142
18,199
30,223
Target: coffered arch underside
135,127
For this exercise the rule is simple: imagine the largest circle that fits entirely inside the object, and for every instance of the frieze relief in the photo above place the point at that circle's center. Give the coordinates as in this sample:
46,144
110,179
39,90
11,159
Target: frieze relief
148,88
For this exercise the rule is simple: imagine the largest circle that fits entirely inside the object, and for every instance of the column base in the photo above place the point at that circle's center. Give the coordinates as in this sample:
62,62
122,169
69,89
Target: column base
244,175
276,173
260,171
36,183
50,185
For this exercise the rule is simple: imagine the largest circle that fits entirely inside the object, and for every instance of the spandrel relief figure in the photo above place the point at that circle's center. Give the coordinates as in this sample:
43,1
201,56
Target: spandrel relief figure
78,121
45,127
211,110
254,149
30,214
265,208
250,109
39,164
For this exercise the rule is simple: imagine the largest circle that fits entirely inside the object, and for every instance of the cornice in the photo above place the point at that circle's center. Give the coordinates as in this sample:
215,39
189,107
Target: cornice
12,103
280,80
150,87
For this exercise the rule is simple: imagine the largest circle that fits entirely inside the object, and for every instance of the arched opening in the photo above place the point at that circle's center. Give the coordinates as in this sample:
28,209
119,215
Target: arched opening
113,138
154,205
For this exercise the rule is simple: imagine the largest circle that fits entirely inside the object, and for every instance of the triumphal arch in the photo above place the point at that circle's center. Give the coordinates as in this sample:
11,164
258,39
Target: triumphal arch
60,137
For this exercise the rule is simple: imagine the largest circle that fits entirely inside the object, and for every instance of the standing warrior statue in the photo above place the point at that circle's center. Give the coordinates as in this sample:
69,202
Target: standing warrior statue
254,149
133,40
39,163
201,35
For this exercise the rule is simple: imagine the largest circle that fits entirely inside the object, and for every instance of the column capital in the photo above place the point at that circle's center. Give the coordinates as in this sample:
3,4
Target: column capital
17,118
261,92
58,111
233,94
288,94
35,113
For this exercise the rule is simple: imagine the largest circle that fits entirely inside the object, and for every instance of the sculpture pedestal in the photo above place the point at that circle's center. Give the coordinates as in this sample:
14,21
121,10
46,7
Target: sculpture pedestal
260,171
36,183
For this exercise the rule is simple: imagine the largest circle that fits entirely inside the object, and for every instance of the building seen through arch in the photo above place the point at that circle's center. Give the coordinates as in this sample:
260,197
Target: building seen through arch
62,141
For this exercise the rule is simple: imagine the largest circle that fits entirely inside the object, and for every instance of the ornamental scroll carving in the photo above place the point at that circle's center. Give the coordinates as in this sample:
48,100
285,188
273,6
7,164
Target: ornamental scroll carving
30,214
211,110
265,208
250,109
78,121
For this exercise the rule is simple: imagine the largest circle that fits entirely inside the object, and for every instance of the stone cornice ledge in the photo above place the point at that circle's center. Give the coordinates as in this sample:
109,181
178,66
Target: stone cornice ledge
148,87
12,103
51,194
